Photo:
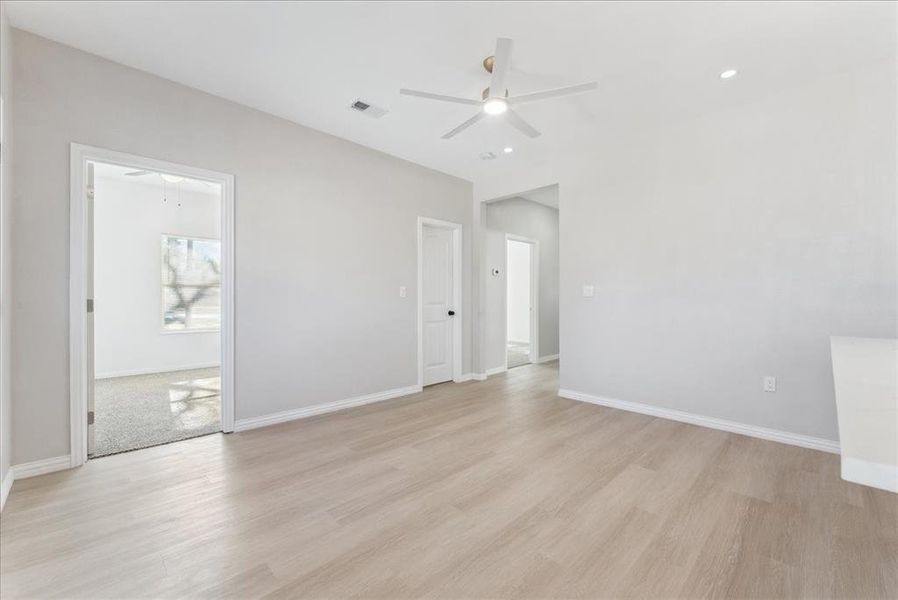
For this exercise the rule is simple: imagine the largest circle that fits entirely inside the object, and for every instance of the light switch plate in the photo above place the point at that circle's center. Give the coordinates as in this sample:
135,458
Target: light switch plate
769,383
402,291
589,291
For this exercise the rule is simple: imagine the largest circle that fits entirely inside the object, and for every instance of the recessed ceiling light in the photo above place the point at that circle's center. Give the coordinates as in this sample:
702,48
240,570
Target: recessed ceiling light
495,106
728,73
508,150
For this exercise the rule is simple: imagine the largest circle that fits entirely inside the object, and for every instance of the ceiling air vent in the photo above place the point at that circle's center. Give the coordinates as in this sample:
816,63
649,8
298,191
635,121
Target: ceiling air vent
487,155
366,108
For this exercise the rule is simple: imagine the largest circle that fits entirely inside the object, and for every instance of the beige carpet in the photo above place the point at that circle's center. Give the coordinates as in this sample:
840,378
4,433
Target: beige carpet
147,410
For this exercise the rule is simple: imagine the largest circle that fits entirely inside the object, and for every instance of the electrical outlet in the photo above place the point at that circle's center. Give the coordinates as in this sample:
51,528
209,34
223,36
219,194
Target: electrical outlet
589,291
769,383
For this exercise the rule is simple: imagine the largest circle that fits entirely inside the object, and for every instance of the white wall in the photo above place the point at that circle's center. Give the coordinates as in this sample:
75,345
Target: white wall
533,221
729,247
129,221
6,80
325,235
517,273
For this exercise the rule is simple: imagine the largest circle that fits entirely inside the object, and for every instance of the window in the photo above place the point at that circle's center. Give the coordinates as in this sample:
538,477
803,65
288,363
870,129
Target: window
191,284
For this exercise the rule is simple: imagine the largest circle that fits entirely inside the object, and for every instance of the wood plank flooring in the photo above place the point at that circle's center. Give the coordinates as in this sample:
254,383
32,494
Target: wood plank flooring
495,489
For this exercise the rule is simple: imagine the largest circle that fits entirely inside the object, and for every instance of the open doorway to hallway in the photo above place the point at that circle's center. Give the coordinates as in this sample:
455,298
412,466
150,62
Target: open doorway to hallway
156,277
520,253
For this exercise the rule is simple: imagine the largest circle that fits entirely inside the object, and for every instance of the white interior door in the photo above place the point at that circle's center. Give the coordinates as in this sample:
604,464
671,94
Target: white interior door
436,303
90,309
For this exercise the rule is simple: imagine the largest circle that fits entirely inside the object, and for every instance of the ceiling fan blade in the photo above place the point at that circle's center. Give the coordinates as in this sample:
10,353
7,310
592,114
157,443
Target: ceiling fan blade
515,120
440,97
501,64
464,125
136,173
543,95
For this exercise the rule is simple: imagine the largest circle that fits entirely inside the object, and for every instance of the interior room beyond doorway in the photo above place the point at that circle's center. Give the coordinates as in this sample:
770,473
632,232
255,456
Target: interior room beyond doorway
157,308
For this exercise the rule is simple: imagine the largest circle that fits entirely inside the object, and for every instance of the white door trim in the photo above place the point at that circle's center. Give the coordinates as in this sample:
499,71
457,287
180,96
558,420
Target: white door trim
534,294
458,320
80,155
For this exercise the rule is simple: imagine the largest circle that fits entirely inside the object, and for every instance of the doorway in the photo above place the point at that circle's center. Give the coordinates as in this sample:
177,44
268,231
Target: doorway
521,299
439,301
532,218
151,302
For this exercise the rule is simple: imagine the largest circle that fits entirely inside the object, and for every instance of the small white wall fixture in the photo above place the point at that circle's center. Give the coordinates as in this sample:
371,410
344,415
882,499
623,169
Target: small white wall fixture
534,295
78,288
459,318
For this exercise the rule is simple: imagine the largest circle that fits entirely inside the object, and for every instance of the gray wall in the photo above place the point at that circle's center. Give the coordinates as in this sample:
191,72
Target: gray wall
730,247
531,220
6,79
325,236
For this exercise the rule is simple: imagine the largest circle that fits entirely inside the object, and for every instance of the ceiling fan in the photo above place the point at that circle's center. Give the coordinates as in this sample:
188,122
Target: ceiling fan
495,100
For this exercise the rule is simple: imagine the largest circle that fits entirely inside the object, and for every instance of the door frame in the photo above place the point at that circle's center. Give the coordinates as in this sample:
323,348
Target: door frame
80,155
534,295
458,319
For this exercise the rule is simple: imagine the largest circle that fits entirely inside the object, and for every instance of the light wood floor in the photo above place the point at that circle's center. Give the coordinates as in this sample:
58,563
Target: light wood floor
493,489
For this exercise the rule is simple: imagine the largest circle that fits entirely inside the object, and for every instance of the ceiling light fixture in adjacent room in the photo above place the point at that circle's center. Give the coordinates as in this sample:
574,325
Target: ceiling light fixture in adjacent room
728,73
171,178
508,150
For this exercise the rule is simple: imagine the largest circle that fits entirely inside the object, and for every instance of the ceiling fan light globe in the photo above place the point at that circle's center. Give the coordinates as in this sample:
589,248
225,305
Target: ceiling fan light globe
495,106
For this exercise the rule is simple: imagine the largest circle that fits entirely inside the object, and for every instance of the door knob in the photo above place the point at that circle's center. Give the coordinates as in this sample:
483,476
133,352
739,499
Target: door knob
451,313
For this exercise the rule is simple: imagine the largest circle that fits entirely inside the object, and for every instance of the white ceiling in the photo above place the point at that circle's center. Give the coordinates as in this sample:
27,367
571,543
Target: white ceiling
547,195
655,61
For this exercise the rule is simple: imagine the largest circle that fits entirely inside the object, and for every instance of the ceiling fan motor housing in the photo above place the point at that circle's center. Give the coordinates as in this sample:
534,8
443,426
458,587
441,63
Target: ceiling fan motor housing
485,94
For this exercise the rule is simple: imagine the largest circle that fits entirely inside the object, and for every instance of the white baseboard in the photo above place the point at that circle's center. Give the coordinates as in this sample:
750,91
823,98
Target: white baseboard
774,435
495,371
464,378
878,475
320,409
41,467
154,370
545,359
479,376
5,486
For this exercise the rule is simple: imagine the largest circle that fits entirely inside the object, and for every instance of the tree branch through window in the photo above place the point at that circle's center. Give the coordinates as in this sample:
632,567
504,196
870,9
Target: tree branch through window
191,283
